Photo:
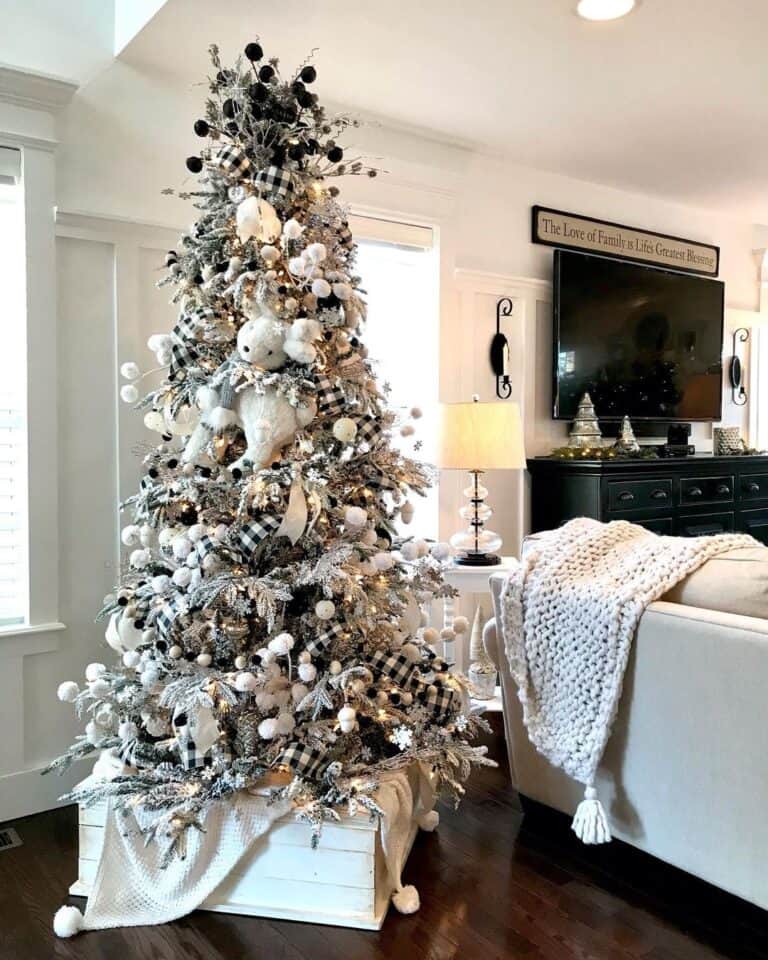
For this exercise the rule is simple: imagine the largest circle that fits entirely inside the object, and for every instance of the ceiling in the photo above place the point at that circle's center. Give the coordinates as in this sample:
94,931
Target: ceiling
670,101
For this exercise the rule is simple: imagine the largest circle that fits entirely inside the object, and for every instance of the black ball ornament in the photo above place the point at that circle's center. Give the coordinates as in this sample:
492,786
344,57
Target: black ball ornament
335,154
229,108
161,646
194,164
237,474
122,601
312,146
201,128
305,99
266,73
296,151
232,127
308,74
153,473
276,465
173,463
258,92
253,51
205,472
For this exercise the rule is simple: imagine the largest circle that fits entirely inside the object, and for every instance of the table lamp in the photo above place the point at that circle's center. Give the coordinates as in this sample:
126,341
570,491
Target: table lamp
477,437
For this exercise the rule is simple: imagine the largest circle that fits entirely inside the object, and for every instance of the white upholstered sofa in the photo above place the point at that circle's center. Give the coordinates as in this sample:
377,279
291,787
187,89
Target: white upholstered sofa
685,774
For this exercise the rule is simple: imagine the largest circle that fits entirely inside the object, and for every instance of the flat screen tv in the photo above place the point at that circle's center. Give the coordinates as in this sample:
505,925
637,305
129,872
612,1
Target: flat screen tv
642,341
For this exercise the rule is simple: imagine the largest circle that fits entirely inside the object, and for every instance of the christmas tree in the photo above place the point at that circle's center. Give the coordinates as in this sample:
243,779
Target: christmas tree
585,431
269,622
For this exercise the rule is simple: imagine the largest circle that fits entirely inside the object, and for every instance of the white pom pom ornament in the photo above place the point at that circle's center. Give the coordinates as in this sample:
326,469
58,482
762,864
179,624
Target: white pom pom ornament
307,672
130,371
245,682
345,429
281,644
94,670
67,921
355,517
129,393
67,691
325,609
292,229
320,287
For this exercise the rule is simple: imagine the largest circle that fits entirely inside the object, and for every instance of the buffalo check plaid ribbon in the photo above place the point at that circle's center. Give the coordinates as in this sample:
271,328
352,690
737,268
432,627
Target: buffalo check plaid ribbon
192,758
320,642
189,322
345,235
396,666
206,545
305,761
330,398
438,699
275,182
252,533
182,355
167,615
232,161
369,430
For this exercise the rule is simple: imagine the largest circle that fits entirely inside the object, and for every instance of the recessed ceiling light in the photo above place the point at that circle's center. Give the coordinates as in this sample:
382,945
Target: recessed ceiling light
604,9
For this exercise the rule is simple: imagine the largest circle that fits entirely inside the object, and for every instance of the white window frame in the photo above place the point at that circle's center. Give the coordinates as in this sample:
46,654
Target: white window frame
28,104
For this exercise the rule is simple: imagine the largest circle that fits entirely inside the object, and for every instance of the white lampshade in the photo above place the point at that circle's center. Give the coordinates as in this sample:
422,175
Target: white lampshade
480,436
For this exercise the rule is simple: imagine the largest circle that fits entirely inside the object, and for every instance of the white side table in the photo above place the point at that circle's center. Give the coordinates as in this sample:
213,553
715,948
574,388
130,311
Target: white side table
470,582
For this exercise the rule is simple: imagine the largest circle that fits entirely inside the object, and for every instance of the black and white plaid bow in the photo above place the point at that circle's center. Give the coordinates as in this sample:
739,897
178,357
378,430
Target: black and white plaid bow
190,757
168,614
252,533
306,762
275,182
396,666
321,641
231,161
330,398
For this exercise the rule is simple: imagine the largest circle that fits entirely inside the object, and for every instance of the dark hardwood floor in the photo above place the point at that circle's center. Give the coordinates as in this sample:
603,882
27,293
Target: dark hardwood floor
493,885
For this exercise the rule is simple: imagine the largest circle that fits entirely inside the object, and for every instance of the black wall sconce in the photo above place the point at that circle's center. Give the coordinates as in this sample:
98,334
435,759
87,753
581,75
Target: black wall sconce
500,351
736,368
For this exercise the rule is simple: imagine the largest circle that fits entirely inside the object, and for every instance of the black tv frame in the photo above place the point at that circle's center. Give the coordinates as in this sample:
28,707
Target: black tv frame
559,251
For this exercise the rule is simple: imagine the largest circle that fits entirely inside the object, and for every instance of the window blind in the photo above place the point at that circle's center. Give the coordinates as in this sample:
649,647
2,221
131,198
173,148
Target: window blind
13,429
391,232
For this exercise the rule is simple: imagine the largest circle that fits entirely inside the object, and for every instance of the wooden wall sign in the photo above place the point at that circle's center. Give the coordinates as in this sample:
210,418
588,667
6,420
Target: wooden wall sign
555,228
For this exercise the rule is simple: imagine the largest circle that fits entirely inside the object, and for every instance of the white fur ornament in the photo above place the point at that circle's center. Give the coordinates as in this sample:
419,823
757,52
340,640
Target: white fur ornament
354,518
316,252
409,551
154,420
307,672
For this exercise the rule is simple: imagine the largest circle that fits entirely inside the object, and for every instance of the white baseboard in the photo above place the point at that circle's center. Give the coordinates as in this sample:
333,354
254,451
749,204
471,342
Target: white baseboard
27,791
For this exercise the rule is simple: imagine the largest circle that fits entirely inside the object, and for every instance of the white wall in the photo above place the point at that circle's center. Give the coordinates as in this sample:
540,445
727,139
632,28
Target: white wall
123,139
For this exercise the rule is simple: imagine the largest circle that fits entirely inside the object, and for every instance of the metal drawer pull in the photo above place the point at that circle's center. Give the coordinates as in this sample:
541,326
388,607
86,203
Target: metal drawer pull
752,487
723,489
626,496
695,492
659,494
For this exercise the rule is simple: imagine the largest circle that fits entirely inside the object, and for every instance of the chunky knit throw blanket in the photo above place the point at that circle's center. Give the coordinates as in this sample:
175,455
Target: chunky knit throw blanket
569,613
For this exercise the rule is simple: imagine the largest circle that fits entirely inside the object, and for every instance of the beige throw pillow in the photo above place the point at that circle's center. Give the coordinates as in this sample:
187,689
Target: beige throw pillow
734,582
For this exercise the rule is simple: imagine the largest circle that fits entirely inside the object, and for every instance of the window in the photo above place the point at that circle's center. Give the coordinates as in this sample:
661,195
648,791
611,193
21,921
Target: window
14,588
398,265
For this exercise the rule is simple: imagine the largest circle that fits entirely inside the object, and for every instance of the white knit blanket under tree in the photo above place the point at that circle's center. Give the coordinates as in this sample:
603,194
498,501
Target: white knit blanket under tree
569,614
133,887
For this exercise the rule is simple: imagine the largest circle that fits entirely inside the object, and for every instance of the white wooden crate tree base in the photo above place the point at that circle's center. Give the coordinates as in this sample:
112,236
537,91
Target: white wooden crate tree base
344,882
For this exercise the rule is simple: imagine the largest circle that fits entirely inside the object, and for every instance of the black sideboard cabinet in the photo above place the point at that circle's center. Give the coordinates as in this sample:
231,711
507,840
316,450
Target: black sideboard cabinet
686,497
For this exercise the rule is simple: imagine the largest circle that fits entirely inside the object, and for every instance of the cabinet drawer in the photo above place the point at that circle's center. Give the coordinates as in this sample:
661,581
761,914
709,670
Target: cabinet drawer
753,486
703,524
639,494
656,524
755,522
706,489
